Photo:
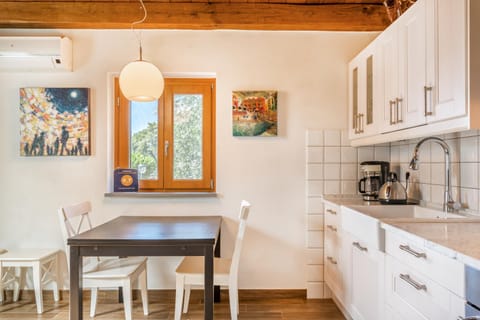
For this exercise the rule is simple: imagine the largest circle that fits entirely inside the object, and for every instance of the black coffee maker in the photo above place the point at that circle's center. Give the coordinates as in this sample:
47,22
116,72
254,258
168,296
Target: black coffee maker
375,174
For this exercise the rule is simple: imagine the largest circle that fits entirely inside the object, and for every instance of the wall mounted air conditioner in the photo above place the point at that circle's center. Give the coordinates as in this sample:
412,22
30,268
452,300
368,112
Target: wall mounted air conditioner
35,54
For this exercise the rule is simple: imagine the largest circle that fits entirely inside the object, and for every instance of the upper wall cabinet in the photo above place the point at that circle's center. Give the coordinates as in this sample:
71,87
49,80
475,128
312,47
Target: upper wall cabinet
428,72
364,82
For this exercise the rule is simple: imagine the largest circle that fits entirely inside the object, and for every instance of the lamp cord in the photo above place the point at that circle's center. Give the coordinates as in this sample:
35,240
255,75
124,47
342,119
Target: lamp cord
139,34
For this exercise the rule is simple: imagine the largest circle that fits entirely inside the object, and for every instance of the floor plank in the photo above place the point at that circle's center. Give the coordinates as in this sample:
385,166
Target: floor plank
254,305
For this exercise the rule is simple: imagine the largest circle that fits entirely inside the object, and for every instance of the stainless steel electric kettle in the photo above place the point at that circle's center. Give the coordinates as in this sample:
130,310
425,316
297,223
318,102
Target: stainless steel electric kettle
392,191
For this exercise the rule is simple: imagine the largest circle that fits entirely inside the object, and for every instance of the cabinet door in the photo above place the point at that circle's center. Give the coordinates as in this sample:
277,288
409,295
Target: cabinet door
366,282
447,45
365,94
404,68
412,66
389,61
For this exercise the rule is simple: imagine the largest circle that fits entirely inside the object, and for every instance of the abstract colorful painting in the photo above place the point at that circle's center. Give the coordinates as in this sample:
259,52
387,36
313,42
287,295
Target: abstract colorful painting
254,113
54,122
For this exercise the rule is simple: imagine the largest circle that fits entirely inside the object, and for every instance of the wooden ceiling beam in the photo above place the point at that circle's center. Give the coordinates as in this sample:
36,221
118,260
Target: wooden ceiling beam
193,15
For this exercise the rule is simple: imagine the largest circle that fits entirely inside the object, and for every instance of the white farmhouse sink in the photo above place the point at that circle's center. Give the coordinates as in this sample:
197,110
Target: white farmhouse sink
404,211
364,221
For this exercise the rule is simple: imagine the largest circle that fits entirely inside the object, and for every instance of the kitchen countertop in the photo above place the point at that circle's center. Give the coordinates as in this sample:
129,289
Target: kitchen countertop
348,200
456,238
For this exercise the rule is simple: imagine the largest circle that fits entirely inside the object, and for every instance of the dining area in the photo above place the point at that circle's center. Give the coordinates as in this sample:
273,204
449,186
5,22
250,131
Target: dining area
114,255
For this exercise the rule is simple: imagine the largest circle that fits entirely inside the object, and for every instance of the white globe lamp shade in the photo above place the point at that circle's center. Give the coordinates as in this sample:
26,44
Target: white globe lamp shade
141,81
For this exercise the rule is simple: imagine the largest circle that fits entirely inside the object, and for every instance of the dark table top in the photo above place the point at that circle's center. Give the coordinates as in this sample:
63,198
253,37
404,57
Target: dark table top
152,230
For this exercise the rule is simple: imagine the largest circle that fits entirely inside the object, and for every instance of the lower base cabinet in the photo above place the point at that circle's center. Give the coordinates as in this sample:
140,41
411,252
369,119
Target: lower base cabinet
367,281
411,295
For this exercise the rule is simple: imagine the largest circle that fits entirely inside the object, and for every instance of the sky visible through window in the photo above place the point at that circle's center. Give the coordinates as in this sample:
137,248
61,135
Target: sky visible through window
142,113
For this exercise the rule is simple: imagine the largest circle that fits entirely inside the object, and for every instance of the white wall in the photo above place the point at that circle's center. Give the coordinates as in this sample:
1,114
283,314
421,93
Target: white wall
309,70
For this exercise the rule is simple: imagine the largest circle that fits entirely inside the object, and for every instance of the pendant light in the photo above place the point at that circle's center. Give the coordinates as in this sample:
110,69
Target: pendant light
141,80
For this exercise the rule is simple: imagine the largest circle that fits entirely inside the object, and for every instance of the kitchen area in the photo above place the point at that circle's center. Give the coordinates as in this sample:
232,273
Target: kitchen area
399,194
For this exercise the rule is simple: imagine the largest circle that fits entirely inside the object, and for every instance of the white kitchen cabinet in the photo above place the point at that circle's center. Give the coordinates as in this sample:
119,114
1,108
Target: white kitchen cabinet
431,72
404,69
421,283
415,296
367,267
446,88
336,274
365,91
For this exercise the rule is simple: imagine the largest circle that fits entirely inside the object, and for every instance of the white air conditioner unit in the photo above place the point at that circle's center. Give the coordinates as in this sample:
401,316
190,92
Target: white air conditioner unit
35,54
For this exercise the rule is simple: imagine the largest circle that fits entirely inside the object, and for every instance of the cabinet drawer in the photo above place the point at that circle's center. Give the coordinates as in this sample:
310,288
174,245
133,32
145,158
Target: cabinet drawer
446,271
332,215
333,271
414,296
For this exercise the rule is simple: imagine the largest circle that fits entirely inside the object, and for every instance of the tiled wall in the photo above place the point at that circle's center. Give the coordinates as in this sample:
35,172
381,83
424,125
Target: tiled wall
429,181
332,168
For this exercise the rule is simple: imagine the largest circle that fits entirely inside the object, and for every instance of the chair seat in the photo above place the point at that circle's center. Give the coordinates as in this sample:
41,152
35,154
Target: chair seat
113,268
192,268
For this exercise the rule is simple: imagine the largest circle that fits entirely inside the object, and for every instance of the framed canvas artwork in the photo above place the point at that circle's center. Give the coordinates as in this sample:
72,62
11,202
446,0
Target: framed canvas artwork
54,122
254,113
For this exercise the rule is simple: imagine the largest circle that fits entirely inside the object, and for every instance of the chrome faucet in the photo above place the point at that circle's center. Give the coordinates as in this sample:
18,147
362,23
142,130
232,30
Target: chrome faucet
448,203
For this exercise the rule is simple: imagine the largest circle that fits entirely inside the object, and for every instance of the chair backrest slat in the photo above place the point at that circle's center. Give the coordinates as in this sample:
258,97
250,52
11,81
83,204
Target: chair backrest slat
244,211
75,219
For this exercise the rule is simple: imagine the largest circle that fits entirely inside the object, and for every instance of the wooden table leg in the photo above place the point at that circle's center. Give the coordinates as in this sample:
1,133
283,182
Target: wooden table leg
217,253
76,286
208,292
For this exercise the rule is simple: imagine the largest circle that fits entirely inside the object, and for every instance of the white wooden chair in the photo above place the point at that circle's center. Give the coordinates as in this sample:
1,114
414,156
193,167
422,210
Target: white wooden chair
44,270
105,272
191,272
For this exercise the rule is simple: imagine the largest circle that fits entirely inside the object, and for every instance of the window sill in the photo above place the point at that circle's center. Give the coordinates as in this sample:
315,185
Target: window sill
161,194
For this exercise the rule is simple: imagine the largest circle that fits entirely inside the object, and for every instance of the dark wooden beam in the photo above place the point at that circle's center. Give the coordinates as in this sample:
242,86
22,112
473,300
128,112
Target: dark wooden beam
193,15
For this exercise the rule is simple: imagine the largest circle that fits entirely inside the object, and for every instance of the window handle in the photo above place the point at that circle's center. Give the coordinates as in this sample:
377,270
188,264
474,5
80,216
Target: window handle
166,147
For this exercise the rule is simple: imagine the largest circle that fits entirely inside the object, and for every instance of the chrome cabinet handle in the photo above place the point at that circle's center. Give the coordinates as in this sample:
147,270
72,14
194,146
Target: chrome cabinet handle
399,105
359,247
414,253
329,226
426,90
332,261
413,283
355,126
392,106
332,211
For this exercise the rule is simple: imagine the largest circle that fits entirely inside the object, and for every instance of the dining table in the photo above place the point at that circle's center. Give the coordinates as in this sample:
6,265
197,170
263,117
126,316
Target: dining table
147,236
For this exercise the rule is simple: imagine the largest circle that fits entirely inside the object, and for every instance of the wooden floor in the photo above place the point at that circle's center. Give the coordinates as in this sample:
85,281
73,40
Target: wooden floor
254,304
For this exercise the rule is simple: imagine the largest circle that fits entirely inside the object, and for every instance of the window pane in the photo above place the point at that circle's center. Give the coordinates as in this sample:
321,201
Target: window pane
187,136
144,139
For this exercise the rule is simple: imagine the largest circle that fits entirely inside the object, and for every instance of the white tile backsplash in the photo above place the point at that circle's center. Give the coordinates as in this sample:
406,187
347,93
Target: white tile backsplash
469,175
469,149
332,154
314,205
314,256
332,138
315,222
315,154
469,198
349,187
314,171
315,187
331,171
348,155
349,171
332,187
365,154
314,137
382,153
438,173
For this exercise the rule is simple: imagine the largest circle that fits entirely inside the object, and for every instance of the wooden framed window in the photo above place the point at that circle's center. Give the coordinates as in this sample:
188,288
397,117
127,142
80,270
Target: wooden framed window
170,141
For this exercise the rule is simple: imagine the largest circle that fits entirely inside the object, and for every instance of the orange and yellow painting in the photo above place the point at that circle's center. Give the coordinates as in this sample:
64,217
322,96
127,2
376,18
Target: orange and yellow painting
254,113
54,122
